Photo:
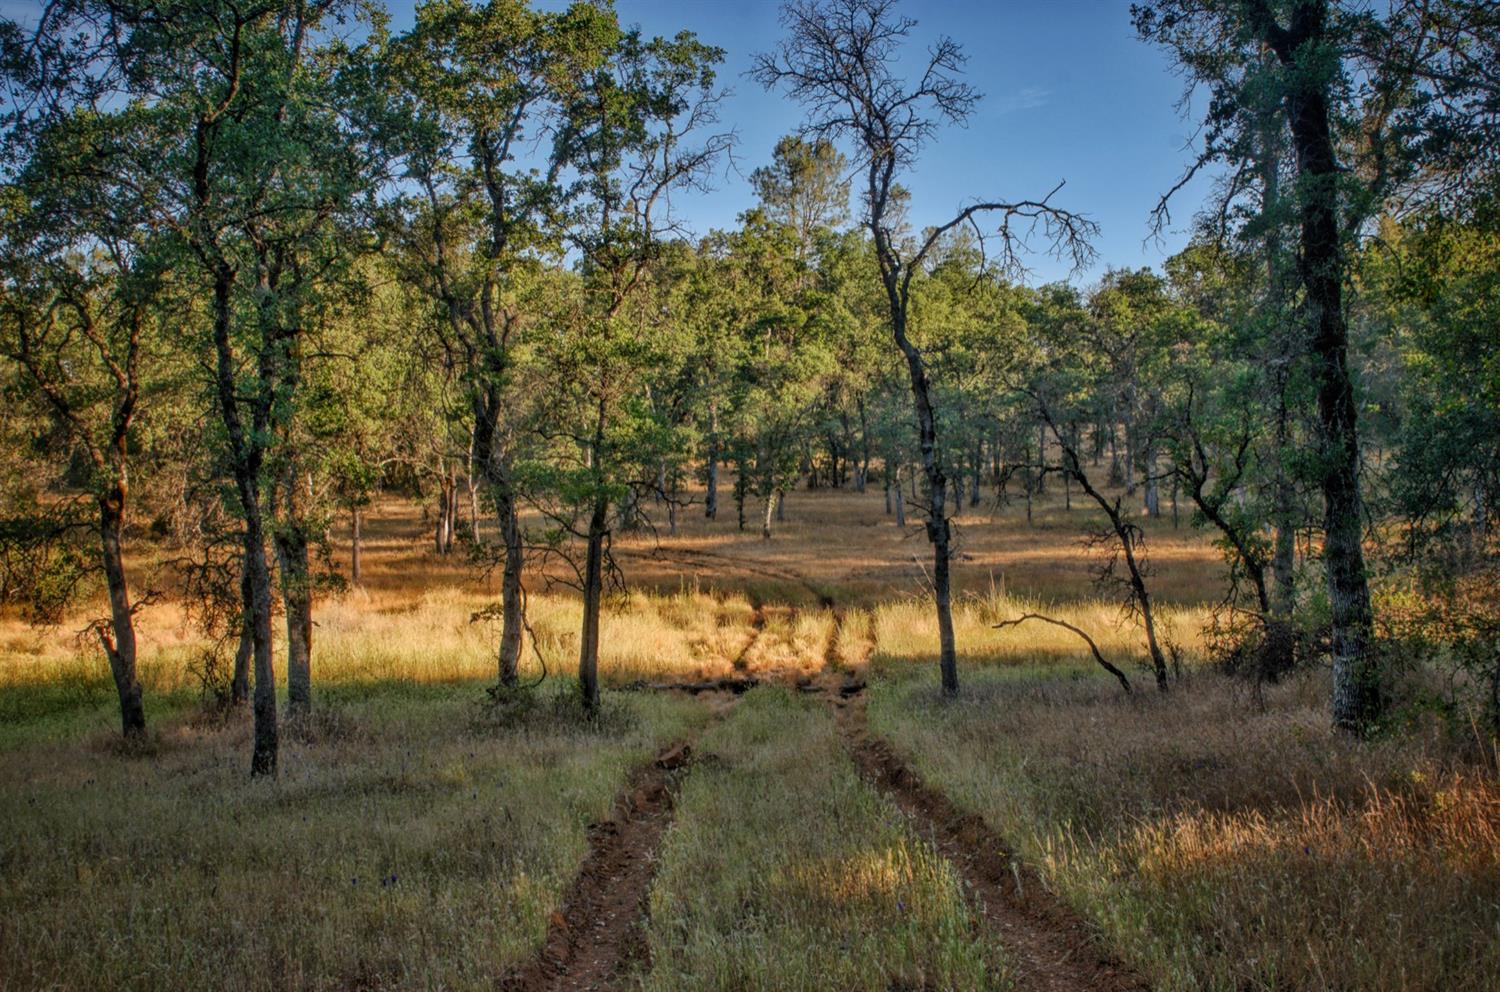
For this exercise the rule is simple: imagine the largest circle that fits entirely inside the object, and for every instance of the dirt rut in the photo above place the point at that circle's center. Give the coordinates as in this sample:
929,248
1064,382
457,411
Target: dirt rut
599,931
1050,948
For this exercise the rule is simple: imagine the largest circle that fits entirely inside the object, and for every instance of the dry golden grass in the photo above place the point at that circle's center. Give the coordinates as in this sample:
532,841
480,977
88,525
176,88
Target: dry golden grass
407,843
1219,845
905,631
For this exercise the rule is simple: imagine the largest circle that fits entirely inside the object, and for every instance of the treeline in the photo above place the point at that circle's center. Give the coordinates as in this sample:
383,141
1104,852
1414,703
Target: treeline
260,262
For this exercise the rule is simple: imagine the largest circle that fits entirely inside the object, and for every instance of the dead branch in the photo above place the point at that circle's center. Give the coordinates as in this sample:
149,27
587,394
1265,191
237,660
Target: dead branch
1098,656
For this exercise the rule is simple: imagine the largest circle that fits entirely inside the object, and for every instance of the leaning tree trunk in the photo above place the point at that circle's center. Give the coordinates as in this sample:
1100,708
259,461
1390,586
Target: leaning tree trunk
593,593
119,642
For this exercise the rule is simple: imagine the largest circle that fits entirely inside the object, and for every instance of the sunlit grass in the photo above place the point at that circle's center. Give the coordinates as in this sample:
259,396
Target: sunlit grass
906,631
1221,846
784,871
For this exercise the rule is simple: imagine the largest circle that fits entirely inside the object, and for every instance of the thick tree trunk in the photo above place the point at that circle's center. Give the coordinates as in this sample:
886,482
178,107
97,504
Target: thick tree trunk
1357,676
258,608
593,593
769,501
119,642
1153,490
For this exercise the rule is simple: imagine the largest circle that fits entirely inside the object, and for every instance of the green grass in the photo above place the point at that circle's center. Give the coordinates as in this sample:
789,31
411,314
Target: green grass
784,871
1222,846
406,843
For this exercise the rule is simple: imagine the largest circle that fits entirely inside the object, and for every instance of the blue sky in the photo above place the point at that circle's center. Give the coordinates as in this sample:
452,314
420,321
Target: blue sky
1070,94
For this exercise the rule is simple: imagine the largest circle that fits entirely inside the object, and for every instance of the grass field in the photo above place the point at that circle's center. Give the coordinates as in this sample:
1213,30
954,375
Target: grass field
1213,838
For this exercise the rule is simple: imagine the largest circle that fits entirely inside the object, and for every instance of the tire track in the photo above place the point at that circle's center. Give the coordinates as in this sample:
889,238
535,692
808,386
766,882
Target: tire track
599,931
1050,947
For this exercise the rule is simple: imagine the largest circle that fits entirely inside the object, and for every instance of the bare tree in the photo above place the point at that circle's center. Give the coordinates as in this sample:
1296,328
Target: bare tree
839,60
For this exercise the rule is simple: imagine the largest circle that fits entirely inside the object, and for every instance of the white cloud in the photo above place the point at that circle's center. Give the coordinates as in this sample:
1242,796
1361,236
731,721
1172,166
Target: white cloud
1026,98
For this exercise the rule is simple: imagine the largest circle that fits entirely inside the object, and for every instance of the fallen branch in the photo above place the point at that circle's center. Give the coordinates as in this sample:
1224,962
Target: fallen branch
734,685
1099,657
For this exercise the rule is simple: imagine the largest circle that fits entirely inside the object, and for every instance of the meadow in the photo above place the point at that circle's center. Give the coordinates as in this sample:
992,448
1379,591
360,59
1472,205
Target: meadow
1217,837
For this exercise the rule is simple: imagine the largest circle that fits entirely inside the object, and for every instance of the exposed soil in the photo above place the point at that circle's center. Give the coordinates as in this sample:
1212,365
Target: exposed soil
1048,945
599,932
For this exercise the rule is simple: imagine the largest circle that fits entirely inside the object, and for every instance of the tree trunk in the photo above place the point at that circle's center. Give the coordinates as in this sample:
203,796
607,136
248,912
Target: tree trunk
472,485
1125,532
290,540
355,519
258,608
1041,459
711,496
741,491
938,531
512,621
256,586
862,475
593,592
239,686
900,500
119,642
452,527
1357,676
442,537
769,499
1153,491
